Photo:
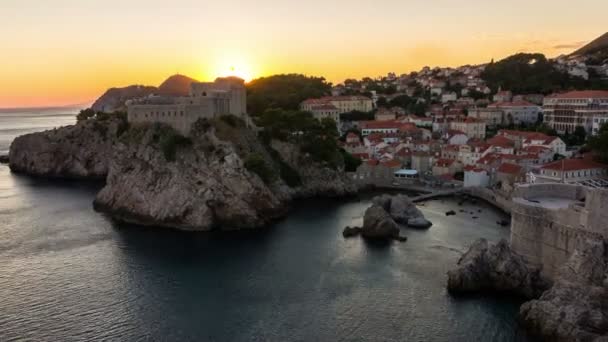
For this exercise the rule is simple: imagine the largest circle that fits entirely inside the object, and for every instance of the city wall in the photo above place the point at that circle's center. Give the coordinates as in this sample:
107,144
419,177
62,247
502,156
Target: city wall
550,220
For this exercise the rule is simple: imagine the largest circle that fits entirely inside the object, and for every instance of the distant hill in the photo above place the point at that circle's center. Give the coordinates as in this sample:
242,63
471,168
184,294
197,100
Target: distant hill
595,46
113,99
176,85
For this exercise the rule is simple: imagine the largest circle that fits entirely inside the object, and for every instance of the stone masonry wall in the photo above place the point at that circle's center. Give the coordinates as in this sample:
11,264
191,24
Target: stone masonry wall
546,235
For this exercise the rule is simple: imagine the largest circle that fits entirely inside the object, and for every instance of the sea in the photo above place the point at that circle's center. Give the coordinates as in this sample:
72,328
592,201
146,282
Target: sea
68,273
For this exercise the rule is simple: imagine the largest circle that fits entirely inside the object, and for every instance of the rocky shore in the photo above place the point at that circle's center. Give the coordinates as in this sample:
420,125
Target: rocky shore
81,151
573,308
155,177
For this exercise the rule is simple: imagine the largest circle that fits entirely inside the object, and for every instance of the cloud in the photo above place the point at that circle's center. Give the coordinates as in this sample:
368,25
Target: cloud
568,46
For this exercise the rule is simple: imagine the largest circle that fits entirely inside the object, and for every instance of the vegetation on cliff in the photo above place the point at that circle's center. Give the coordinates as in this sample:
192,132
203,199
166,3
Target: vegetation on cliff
316,138
283,91
255,163
526,73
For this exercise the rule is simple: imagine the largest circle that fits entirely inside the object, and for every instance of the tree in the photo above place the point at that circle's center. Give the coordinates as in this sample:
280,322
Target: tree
579,135
381,102
599,143
283,91
526,73
317,138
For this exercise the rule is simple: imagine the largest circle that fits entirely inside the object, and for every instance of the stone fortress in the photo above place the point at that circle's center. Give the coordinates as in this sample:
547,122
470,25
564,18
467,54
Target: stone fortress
206,100
550,220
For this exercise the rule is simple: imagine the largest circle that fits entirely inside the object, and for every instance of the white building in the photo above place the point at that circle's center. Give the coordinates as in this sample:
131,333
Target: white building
344,104
589,109
449,97
518,112
474,176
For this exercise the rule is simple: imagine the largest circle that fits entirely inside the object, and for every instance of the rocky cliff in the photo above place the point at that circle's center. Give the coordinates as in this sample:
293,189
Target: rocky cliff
81,151
203,182
576,307
496,268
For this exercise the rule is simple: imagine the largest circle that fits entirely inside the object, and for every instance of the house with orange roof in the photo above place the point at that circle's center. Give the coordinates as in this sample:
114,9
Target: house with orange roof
472,127
476,177
509,174
446,167
455,137
572,171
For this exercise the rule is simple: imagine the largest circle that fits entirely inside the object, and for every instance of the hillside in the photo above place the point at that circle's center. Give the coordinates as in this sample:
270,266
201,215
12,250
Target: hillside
526,73
600,43
113,99
176,85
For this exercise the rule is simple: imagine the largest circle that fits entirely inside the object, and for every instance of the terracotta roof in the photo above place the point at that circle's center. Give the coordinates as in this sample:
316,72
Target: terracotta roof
573,165
324,106
404,152
468,119
535,149
581,94
382,124
453,132
391,163
514,104
473,168
372,162
500,141
509,168
329,99
489,159
444,162
454,148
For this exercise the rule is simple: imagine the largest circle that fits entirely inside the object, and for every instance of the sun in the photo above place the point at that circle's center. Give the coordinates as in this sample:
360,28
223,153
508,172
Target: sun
239,69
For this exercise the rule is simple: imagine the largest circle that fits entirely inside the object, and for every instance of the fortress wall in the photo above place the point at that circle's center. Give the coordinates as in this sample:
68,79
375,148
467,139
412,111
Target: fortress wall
596,212
547,235
490,196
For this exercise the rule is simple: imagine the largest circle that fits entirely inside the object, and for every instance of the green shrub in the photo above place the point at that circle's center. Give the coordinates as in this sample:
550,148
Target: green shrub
255,163
232,120
351,163
289,175
170,141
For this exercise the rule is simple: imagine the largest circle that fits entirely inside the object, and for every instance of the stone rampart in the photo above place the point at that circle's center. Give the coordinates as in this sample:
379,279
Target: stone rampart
550,220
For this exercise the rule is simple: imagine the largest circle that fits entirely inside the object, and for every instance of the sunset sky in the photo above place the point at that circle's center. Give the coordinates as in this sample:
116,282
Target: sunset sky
63,52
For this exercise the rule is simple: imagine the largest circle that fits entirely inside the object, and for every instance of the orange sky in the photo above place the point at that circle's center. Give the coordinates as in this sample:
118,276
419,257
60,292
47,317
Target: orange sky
70,51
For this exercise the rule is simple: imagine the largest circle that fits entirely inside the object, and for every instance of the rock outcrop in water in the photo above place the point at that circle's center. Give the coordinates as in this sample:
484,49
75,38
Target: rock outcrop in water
378,224
81,151
576,307
204,183
490,268
383,219
403,210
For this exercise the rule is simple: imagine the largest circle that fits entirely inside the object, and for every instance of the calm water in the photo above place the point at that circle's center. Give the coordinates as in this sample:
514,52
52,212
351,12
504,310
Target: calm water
68,273
16,122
